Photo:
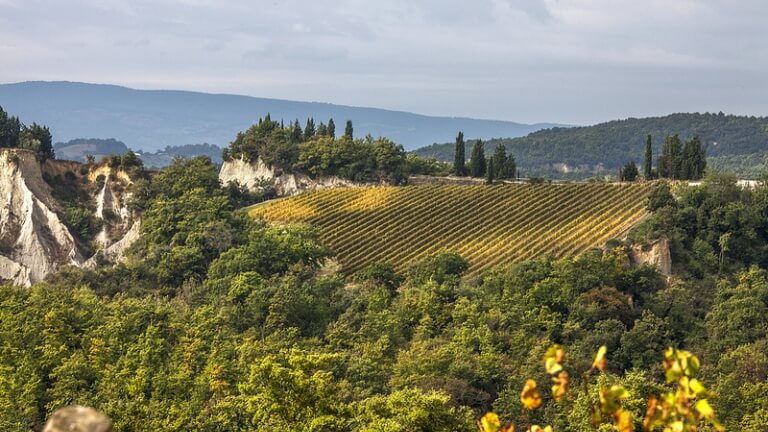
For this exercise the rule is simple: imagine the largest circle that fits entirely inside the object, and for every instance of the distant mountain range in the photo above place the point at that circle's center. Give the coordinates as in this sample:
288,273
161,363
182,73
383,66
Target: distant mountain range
734,143
150,120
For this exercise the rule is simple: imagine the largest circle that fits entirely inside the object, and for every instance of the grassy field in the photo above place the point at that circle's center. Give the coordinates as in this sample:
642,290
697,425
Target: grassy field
488,225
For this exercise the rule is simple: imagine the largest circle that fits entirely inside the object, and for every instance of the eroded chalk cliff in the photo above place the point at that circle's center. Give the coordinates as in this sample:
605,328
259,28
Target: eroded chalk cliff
250,174
35,239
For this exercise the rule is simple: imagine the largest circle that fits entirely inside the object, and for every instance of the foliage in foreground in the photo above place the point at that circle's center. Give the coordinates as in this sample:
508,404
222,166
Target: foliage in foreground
681,410
218,323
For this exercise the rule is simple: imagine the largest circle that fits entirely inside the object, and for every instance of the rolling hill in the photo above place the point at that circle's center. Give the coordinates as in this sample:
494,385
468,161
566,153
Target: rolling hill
150,120
737,143
488,225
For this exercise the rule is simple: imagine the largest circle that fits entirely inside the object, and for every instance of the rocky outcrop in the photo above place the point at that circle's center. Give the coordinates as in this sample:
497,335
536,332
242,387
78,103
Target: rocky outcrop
250,175
656,254
116,251
34,240
78,419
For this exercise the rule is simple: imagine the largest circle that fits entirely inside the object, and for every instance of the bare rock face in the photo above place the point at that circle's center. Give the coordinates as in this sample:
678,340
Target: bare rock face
249,174
656,254
34,241
78,419
115,252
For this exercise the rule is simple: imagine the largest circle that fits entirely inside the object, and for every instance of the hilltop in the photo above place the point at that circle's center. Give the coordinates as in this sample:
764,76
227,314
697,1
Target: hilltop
738,143
489,226
150,120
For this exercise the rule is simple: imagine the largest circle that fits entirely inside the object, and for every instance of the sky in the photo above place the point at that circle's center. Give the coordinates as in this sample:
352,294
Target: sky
565,61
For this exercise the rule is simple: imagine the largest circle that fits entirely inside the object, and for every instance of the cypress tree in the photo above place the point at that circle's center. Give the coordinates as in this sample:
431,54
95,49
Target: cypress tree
647,164
500,162
296,132
322,130
670,162
331,129
490,173
348,130
459,157
694,159
510,170
477,160
309,130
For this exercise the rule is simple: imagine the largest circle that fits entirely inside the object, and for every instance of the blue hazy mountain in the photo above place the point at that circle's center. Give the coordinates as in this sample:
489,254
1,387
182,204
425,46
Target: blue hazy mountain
150,120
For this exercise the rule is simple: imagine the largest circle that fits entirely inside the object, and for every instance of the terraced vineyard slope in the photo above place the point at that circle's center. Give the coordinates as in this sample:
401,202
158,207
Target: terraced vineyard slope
488,225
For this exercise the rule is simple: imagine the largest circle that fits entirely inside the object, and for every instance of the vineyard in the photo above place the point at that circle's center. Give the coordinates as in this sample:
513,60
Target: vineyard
488,225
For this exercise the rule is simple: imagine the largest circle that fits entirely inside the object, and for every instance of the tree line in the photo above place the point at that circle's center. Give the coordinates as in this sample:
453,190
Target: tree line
316,150
499,166
677,161
35,137
586,149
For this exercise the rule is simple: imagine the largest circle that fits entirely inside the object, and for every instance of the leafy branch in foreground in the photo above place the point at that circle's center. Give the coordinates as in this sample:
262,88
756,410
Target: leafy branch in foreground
681,410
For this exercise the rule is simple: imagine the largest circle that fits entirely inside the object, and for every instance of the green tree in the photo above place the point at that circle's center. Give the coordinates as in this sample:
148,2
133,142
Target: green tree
331,128
501,163
309,129
693,160
660,197
648,161
322,130
670,163
10,128
296,132
490,171
477,160
629,172
348,130
38,139
459,158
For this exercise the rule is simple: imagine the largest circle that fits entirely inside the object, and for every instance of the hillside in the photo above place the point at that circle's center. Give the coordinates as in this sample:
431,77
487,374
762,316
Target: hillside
584,151
149,120
487,225
78,149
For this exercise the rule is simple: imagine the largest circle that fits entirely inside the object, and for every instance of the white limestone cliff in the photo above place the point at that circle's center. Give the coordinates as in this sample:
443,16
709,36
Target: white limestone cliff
249,174
34,239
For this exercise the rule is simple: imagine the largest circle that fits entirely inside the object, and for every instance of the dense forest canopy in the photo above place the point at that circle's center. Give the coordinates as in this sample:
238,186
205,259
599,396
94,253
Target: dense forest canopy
219,322
611,145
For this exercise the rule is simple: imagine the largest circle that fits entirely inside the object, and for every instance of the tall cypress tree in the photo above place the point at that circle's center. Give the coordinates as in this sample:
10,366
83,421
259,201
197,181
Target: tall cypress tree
500,162
459,157
331,129
670,164
348,130
647,164
296,132
510,170
309,130
490,172
477,160
694,159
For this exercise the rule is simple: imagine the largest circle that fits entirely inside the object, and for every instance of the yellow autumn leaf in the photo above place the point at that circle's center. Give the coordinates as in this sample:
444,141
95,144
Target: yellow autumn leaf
623,421
490,422
600,361
697,387
530,396
553,359
704,408
561,385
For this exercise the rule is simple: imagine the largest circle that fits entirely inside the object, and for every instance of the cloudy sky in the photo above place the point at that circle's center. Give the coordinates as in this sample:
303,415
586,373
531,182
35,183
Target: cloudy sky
568,61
